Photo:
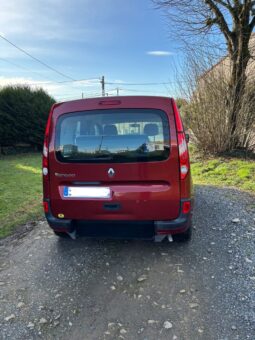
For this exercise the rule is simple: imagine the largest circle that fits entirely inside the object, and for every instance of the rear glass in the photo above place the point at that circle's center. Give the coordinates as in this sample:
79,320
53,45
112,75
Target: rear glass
123,135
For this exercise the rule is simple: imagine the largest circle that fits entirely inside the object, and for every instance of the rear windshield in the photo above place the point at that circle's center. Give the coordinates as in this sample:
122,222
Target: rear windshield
123,135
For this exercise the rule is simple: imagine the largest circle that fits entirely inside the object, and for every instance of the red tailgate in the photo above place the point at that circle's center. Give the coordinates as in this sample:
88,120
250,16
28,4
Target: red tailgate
143,190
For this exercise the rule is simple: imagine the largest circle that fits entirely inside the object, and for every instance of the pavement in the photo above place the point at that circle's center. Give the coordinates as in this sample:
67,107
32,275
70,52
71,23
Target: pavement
115,289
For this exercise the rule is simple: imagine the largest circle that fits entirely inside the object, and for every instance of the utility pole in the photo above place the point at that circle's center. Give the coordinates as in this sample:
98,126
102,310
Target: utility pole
82,95
103,86
117,91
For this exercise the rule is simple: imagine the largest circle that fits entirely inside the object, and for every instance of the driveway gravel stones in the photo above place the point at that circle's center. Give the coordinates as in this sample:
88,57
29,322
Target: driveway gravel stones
104,289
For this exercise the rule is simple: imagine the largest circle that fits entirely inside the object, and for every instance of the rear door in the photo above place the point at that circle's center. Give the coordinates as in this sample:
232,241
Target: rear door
116,161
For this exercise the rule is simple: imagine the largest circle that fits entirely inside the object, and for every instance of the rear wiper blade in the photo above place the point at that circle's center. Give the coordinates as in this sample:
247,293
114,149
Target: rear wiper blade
102,157
89,159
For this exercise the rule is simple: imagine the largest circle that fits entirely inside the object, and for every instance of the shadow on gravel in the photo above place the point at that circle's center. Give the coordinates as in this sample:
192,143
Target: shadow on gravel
110,247
64,246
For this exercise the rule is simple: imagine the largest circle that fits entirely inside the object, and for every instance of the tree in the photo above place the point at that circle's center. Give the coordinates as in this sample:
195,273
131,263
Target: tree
235,21
23,115
180,102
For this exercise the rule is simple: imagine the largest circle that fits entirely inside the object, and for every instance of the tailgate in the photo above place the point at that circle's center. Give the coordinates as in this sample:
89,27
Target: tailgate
115,164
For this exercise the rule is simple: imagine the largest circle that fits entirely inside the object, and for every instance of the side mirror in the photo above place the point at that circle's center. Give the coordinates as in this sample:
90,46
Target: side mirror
187,137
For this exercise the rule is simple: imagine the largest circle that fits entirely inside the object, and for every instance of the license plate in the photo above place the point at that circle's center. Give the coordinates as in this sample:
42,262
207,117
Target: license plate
87,192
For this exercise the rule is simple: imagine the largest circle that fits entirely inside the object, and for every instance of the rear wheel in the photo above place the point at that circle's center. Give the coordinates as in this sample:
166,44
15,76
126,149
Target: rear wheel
183,237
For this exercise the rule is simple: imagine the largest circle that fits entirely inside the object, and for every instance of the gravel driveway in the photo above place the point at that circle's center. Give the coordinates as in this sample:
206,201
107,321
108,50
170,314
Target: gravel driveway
105,289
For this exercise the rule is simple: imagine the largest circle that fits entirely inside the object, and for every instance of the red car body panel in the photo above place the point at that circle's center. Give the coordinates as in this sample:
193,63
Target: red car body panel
144,191
136,185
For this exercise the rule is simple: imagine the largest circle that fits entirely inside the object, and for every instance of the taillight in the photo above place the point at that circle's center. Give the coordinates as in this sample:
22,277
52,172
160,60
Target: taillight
183,155
182,144
45,157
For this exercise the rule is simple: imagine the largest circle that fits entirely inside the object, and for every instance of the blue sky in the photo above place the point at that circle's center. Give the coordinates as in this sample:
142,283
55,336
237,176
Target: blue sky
87,39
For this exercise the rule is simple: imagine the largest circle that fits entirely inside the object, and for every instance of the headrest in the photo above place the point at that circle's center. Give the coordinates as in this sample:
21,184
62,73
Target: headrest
110,130
151,129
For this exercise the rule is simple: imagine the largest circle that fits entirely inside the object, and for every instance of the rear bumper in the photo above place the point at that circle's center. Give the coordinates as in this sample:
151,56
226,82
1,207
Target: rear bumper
171,227
180,225
58,224
61,225
176,226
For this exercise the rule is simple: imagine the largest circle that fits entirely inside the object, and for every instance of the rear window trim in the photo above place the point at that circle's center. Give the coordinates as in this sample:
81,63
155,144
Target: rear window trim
164,116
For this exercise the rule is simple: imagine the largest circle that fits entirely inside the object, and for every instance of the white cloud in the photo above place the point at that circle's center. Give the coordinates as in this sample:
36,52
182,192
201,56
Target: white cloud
58,90
4,81
160,53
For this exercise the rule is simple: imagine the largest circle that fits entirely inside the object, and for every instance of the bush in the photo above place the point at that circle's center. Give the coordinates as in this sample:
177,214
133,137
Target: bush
209,106
23,115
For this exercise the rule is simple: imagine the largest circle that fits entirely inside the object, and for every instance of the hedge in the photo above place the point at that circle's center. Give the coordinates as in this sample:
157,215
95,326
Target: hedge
23,115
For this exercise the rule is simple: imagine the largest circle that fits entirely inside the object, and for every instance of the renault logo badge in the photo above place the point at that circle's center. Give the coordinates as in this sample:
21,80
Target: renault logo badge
111,172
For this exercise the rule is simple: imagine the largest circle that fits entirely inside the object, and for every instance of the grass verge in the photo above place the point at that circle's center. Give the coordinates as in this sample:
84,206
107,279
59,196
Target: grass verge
219,171
21,185
20,191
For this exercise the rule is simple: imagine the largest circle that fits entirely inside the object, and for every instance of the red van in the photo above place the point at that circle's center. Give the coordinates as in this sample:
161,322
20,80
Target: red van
117,166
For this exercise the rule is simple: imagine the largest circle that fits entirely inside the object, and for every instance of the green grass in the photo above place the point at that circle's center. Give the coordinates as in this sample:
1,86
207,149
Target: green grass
21,185
20,191
239,173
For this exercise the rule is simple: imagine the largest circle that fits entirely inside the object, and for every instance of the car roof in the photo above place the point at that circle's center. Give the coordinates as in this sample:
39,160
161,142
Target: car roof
129,102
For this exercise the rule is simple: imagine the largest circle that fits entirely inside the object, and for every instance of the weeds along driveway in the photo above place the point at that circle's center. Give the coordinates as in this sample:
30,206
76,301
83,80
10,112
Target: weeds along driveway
104,289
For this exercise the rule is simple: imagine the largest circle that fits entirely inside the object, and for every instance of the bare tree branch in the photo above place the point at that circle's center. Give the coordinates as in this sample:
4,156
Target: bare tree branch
225,4
220,20
233,21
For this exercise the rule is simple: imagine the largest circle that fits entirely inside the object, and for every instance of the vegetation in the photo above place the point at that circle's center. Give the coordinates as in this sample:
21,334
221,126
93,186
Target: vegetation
207,114
20,190
226,27
23,115
181,103
222,171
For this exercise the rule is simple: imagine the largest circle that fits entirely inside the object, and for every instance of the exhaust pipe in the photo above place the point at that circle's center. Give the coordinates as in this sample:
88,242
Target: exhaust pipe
160,238
170,238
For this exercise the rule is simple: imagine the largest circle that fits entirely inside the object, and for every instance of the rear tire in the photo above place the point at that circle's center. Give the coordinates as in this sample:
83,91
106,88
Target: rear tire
60,234
183,237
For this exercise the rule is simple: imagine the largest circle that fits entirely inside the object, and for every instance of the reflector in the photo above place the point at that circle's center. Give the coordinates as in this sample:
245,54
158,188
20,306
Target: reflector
46,207
186,207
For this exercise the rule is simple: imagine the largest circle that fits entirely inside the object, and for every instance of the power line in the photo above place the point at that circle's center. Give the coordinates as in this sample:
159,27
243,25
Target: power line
75,80
51,80
85,95
24,68
110,92
69,81
36,59
142,84
140,91
14,64
117,89
134,84
79,97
